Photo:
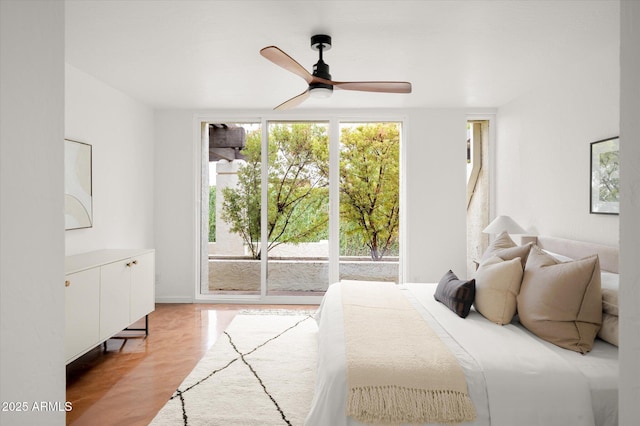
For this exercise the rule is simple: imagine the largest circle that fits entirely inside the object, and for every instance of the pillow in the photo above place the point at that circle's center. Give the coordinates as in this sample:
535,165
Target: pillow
497,286
560,257
609,330
609,282
521,252
504,247
456,294
561,301
502,241
610,301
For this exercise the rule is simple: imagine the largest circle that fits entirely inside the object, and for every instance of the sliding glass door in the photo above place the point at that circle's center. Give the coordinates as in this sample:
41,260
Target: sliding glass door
326,207
230,264
369,201
297,225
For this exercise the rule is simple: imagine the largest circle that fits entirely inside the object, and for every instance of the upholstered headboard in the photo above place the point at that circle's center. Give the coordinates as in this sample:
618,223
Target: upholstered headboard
608,255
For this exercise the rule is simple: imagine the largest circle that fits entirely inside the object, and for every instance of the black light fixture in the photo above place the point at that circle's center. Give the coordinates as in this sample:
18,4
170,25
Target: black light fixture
321,42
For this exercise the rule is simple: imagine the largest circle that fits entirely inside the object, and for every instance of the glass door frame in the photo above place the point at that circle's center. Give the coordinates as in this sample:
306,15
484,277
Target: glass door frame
333,121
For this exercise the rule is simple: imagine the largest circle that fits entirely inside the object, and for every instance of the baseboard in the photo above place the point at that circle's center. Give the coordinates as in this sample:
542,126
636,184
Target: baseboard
174,300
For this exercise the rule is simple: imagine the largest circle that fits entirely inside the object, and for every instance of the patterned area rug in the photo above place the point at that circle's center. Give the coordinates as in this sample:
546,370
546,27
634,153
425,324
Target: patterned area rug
260,371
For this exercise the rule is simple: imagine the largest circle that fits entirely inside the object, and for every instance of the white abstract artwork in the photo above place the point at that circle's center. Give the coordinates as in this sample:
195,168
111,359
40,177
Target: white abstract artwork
77,185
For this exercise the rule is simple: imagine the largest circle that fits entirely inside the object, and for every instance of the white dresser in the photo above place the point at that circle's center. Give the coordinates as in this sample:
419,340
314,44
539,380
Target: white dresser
105,292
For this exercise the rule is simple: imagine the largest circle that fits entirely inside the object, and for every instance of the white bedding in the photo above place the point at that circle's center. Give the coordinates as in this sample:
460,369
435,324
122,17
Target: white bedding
513,377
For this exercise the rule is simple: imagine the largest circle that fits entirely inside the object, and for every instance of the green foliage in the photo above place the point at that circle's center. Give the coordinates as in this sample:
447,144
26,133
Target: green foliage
609,177
241,205
298,187
369,182
212,214
298,181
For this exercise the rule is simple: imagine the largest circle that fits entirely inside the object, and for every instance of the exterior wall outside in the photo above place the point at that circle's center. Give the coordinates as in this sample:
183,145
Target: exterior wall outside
228,243
301,250
293,275
478,210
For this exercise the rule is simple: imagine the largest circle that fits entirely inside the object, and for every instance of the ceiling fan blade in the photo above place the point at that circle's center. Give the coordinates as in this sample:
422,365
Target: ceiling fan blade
285,61
293,102
374,86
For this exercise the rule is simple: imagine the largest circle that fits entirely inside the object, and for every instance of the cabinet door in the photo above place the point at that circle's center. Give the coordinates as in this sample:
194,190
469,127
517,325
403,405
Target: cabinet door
82,312
142,286
115,279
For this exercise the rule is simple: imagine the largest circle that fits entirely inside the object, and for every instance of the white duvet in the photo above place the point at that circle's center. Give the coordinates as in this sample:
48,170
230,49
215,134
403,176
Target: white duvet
513,377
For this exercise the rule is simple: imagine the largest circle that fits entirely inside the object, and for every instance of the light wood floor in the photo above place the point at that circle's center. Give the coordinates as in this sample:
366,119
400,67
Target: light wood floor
134,378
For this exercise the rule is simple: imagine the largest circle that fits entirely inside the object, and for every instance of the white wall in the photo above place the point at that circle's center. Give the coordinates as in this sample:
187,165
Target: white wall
31,209
436,170
176,206
121,132
630,212
434,221
543,147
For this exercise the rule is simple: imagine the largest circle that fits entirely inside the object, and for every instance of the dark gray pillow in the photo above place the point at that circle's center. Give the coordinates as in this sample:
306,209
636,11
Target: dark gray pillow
456,294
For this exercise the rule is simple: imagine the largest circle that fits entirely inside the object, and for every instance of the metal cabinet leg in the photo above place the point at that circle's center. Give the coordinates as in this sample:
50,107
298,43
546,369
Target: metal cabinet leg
146,326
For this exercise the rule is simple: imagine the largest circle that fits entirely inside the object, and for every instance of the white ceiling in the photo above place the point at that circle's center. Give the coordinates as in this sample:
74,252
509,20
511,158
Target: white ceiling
205,54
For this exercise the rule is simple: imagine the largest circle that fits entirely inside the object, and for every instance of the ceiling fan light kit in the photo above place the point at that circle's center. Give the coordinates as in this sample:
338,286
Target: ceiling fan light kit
320,91
320,83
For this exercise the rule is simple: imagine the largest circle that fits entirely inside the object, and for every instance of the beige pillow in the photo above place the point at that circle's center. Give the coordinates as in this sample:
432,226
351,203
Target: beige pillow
561,301
504,247
497,285
521,252
502,241
609,330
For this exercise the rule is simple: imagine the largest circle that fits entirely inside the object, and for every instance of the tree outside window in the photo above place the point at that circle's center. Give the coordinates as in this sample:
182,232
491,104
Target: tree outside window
298,188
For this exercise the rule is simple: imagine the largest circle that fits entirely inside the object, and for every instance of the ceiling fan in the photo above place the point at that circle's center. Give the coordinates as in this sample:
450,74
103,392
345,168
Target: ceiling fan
320,83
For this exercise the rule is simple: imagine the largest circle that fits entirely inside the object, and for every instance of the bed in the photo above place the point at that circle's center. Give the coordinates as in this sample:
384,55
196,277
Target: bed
513,376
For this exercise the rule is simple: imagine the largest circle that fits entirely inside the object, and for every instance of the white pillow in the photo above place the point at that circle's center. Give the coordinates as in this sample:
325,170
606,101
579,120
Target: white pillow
560,257
609,330
609,280
497,286
609,283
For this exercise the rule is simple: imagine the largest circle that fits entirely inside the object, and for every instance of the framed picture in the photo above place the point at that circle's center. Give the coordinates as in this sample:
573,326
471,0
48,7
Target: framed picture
78,204
605,176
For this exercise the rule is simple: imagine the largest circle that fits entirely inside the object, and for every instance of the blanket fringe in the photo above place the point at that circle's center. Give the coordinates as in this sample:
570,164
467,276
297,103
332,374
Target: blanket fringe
396,404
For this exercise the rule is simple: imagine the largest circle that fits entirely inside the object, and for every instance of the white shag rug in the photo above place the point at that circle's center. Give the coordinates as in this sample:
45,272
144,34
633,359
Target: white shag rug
260,371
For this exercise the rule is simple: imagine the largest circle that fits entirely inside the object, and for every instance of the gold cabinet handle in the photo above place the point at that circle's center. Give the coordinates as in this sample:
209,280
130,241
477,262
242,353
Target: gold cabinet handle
135,262
67,283
128,264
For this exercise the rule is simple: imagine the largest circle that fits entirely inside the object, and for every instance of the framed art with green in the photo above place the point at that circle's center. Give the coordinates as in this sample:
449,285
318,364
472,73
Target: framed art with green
605,177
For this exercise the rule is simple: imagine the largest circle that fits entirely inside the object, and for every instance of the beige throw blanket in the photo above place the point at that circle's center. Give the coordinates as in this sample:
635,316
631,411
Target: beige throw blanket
398,369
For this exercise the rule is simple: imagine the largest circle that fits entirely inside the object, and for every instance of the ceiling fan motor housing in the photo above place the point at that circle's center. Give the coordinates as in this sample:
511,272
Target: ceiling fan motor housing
321,69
